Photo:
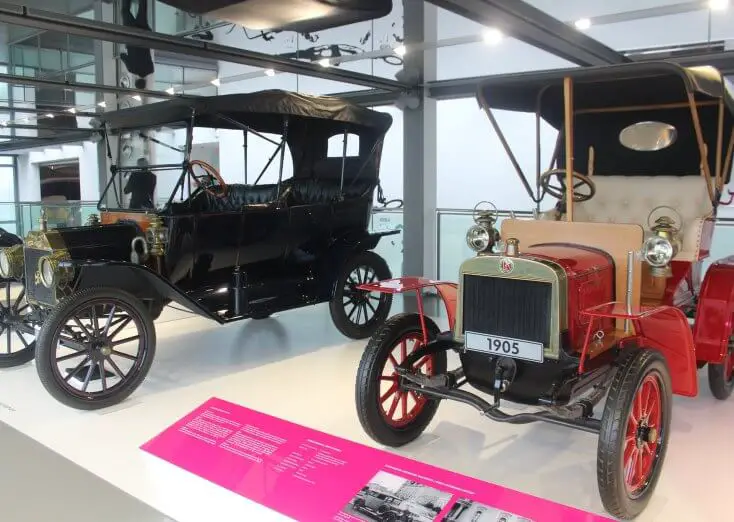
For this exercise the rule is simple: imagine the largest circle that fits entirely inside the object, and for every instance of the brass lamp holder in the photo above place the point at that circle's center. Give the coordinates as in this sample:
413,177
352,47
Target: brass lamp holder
667,228
486,218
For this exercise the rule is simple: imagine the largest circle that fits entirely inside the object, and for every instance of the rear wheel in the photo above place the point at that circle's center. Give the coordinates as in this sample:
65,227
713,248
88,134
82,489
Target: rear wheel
634,433
721,376
358,313
17,336
95,348
389,415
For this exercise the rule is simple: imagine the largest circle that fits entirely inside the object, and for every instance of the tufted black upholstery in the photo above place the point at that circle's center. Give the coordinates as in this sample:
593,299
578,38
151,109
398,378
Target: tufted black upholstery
310,191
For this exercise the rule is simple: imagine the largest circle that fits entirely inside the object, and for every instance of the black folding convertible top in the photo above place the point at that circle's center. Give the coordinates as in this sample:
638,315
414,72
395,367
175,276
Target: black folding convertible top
263,111
636,92
634,84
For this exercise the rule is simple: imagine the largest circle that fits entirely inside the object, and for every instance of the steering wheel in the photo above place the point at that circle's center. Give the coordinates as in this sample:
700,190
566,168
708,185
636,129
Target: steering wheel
211,181
559,191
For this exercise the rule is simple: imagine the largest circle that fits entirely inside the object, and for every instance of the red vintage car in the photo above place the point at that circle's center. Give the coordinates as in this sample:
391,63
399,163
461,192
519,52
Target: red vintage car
603,297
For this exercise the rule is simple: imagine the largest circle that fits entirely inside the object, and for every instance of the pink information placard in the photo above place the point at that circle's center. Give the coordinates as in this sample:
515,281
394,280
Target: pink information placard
311,476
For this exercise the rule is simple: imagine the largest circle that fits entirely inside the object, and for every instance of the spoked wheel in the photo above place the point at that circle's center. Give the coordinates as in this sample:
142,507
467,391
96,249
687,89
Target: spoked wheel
95,348
17,336
721,376
357,313
388,414
634,433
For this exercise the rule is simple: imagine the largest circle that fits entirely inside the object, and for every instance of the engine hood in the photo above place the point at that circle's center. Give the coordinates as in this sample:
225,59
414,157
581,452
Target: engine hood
576,260
99,242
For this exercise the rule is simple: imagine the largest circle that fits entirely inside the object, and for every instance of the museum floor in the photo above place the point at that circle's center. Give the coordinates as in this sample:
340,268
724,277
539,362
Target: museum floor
297,367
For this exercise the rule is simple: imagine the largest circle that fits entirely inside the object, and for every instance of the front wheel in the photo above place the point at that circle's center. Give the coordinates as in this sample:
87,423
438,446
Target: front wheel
17,322
388,414
721,376
358,313
95,348
634,433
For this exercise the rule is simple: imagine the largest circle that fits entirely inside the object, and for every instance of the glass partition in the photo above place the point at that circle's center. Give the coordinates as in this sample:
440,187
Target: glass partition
390,247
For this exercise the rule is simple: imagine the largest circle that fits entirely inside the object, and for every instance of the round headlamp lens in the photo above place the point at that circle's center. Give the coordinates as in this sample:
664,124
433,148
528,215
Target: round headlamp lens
477,237
4,264
47,272
658,251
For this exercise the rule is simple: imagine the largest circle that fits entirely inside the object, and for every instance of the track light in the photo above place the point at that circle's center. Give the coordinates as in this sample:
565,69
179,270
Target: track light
400,50
215,82
718,5
137,97
492,36
71,110
102,104
269,72
324,62
582,24
171,91
50,115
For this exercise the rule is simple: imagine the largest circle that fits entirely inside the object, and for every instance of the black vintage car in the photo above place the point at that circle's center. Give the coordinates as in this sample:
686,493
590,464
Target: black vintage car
224,251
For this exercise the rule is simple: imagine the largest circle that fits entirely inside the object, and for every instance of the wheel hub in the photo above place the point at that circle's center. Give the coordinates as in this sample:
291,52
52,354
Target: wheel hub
100,349
646,435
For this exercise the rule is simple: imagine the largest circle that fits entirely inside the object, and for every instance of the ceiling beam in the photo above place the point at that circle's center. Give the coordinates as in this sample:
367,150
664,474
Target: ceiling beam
129,35
529,24
467,87
24,143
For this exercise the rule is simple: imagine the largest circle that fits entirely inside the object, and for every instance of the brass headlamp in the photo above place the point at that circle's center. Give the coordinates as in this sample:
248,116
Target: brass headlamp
11,262
665,243
482,236
156,236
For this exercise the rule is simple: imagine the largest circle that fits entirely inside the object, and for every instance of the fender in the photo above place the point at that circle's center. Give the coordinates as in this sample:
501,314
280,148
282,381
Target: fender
139,280
713,325
446,290
661,328
363,241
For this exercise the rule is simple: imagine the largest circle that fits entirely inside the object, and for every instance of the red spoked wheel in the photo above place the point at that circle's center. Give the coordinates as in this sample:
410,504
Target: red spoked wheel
400,407
721,376
389,414
642,440
634,433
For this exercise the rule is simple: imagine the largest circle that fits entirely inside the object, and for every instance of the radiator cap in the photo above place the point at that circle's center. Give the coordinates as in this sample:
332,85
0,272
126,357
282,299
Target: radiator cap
512,247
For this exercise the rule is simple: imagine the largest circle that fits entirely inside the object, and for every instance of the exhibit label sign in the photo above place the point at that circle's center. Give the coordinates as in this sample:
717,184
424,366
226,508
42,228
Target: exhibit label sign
311,476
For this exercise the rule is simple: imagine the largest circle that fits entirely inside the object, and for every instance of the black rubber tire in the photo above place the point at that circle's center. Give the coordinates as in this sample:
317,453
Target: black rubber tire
721,386
46,351
635,367
367,390
336,306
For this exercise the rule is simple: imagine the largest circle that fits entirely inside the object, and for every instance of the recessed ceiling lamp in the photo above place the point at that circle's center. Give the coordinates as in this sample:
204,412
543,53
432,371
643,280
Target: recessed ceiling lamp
102,104
492,36
718,5
171,91
215,82
71,110
269,72
137,97
582,24
400,50
324,62
49,115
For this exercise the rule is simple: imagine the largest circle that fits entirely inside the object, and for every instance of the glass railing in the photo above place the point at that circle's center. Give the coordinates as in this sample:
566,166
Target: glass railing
69,214
390,247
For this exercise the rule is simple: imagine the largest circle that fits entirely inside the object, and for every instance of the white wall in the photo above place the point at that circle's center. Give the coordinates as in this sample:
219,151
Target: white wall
29,186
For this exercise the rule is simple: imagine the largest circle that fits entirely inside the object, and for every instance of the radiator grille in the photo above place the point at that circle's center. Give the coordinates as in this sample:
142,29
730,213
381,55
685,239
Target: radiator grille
36,291
507,307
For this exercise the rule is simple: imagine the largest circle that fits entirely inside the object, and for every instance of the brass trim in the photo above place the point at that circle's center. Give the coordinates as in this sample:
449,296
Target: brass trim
16,261
49,240
526,269
60,276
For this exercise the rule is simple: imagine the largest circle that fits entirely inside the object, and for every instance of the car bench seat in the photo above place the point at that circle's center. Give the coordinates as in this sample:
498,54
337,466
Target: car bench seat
630,199
237,197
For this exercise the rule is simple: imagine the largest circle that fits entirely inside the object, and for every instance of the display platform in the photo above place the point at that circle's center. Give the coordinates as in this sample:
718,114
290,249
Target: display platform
297,367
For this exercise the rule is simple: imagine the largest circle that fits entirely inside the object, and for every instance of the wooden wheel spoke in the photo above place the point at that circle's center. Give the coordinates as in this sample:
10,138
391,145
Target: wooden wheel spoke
82,327
18,299
73,344
109,321
102,374
354,309
88,377
120,327
22,339
116,368
70,356
404,400
389,393
124,355
126,340
394,361
76,369
394,406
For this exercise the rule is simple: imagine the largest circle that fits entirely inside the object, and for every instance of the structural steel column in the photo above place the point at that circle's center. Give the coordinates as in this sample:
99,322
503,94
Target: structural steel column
105,69
419,145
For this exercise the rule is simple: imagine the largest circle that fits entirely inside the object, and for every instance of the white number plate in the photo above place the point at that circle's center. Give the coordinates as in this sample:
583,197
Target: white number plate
504,346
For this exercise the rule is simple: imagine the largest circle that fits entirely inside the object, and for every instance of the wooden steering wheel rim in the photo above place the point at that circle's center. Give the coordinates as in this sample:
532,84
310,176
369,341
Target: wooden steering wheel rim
209,169
577,198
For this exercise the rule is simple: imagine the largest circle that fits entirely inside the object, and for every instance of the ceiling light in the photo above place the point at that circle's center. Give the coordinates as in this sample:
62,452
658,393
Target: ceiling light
401,50
49,115
23,121
718,5
171,91
324,62
269,72
137,97
72,110
102,104
582,24
492,36
215,82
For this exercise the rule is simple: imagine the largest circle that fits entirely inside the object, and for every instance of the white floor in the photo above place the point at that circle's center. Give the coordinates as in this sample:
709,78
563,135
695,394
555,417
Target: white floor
297,367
